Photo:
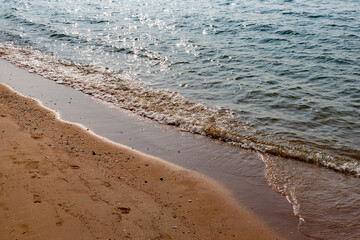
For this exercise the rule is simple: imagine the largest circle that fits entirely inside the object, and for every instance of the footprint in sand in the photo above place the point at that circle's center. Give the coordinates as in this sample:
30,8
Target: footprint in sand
102,182
123,210
19,162
59,221
73,166
32,165
94,198
106,184
36,137
37,198
120,211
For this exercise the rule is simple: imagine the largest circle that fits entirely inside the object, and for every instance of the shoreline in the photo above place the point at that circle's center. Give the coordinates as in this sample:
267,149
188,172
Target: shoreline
288,196
239,170
65,175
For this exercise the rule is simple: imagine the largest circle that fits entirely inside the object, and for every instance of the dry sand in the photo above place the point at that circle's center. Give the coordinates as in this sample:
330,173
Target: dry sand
59,181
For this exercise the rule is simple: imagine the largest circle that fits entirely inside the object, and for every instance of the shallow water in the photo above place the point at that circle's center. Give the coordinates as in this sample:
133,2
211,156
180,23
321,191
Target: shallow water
326,203
276,76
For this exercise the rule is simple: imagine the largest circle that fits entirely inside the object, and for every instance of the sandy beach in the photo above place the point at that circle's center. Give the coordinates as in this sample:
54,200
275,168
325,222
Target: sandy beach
59,181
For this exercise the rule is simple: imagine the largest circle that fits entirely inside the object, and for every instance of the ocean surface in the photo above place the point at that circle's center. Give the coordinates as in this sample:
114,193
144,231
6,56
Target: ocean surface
278,76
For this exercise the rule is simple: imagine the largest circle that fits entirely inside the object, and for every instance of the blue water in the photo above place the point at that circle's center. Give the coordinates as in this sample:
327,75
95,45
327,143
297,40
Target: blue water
276,76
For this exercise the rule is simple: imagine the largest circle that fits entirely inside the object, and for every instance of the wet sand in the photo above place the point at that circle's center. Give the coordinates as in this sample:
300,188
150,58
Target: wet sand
58,181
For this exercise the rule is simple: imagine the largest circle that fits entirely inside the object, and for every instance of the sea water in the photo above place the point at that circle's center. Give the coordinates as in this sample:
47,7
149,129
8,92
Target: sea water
275,76
279,76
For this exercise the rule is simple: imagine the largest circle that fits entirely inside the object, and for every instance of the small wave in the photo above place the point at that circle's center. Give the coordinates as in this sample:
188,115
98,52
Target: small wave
315,16
59,35
287,32
170,108
24,21
9,16
262,27
273,40
340,61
